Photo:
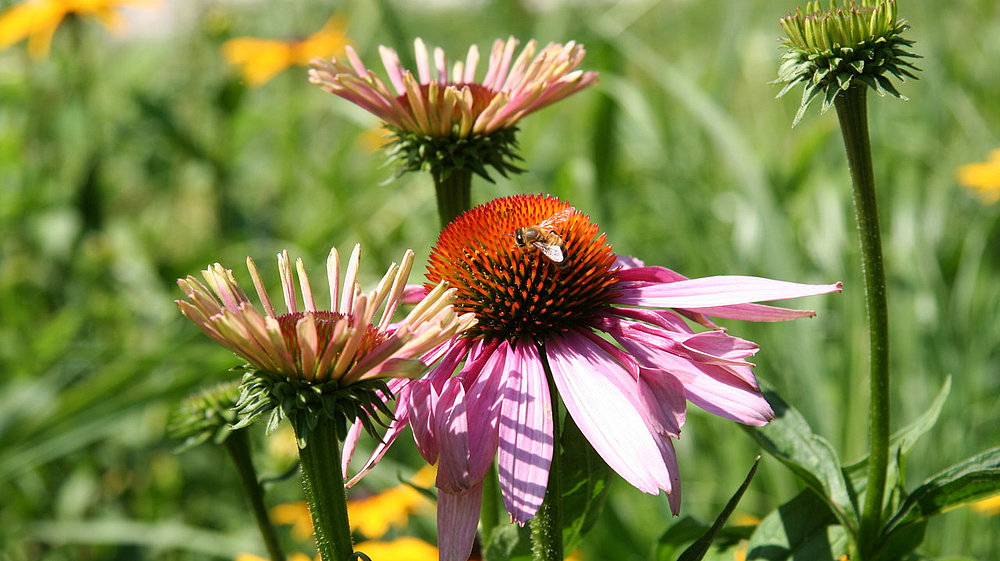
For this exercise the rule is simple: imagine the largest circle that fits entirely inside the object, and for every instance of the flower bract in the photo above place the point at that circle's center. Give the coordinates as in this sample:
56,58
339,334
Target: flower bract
445,118
849,43
627,346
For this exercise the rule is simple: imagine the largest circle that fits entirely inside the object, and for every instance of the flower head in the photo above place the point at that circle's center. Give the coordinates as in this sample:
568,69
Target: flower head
444,118
37,20
262,59
206,415
320,361
983,178
849,43
537,307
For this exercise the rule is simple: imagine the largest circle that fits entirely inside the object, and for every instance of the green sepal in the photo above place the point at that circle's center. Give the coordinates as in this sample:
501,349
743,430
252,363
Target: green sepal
443,154
304,403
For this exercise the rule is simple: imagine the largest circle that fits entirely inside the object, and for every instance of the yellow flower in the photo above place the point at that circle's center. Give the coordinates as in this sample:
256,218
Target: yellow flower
252,557
990,506
372,516
401,549
261,59
37,20
297,515
983,178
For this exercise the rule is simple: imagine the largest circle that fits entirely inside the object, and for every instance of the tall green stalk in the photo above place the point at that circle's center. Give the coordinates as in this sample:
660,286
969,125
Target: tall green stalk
324,489
546,526
453,192
852,112
238,447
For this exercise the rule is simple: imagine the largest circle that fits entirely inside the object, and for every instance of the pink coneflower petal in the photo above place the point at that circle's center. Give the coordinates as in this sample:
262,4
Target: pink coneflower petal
525,432
662,396
715,389
459,513
456,445
421,406
582,371
719,291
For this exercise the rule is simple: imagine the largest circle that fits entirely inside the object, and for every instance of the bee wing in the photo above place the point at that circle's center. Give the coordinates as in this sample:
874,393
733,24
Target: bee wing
552,251
556,221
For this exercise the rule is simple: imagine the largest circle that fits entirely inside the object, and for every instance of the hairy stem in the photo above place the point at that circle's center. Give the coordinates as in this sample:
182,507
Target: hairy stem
453,193
324,489
238,447
546,526
852,112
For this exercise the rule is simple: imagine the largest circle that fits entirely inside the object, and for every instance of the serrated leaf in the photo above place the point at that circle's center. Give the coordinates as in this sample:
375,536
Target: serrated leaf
802,529
975,478
701,546
810,456
584,484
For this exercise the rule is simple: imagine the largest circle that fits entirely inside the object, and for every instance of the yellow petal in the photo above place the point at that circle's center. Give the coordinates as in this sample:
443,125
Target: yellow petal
987,507
297,514
402,549
259,59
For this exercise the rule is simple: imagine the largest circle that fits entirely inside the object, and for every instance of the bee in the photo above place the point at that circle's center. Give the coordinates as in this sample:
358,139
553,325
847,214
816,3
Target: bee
544,237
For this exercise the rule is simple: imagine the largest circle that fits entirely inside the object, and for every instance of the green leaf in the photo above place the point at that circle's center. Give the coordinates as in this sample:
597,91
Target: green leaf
899,446
901,542
697,550
688,529
584,484
810,456
975,478
802,529
509,542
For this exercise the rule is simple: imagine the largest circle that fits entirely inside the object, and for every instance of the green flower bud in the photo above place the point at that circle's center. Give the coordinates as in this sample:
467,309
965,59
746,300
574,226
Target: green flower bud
850,43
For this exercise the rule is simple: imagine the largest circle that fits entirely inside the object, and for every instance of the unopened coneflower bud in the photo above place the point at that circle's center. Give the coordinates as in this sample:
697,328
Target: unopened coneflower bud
852,43
206,415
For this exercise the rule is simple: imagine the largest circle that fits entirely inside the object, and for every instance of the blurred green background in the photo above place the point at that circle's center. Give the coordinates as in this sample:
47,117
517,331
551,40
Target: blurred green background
129,160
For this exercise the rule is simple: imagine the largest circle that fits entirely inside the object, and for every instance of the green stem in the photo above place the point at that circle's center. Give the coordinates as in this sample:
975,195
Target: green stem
546,526
238,447
324,487
489,516
854,125
453,193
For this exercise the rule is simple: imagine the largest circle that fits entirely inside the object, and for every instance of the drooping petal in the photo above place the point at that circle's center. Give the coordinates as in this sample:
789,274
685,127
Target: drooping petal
593,386
663,397
421,405
457,519
525,433
718,291
721,390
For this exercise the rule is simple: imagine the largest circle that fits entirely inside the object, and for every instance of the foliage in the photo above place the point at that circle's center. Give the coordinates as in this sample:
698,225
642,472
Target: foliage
126,163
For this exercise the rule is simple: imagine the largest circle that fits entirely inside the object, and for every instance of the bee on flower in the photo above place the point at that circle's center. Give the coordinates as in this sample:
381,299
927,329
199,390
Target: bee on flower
615,340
